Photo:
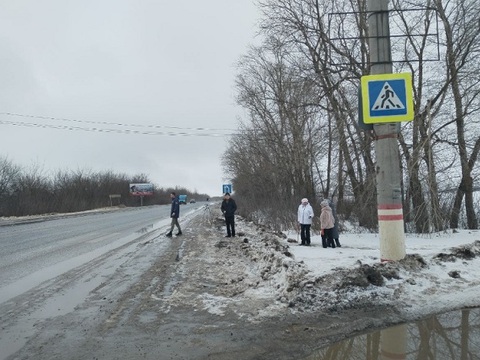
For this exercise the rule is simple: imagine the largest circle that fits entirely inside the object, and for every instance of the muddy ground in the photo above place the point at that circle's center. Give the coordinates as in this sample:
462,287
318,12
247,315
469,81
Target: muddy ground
205,297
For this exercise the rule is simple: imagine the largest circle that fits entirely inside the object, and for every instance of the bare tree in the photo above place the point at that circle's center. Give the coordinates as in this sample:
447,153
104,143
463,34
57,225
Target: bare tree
31,193
462,42
271,159
9,174
441,90
317,32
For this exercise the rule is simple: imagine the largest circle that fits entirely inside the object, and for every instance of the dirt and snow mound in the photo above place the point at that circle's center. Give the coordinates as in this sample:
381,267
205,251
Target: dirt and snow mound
258,268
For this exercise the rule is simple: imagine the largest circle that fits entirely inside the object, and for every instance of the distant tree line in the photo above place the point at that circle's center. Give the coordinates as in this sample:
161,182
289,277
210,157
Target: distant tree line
32,192
302,137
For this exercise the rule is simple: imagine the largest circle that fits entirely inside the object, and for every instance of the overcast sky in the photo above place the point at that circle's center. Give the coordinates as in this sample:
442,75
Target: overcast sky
96,85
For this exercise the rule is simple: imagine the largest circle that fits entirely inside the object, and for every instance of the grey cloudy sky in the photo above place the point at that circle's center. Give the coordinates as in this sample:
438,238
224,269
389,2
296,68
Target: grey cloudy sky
94,84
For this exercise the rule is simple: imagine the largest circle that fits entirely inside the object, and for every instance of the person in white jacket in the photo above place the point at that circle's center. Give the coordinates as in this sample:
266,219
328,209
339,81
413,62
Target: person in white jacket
305,217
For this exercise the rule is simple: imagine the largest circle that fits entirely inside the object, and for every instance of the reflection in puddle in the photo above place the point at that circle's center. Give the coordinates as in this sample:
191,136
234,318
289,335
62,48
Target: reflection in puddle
453,335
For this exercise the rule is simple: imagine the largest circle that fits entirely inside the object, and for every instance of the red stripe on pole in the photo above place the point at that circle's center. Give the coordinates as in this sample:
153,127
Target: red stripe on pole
390,217
390,355
389,206
386,136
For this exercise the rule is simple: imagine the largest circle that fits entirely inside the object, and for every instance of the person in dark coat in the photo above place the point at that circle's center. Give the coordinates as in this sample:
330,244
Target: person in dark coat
174,214
228,210
327,223
335,233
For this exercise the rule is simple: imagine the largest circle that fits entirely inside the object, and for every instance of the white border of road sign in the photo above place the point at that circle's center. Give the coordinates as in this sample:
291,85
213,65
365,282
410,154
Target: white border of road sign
387,98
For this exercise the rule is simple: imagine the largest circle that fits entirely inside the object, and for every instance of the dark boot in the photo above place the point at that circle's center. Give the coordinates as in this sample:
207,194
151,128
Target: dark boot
338,243
169,234
178,233
324,241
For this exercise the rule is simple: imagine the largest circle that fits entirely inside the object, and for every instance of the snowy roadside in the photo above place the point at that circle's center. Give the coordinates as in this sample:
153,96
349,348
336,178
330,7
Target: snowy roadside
441,272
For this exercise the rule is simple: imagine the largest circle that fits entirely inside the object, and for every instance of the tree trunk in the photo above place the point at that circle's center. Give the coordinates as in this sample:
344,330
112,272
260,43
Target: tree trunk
465,187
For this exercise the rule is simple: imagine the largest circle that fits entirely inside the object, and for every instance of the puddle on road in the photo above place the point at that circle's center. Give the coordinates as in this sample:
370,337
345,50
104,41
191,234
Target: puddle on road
175,280
147,317
145,229
453,335
58,304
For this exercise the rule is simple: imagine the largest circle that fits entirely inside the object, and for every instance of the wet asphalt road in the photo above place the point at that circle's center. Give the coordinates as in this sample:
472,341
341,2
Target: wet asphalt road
35,250
30,247
50,265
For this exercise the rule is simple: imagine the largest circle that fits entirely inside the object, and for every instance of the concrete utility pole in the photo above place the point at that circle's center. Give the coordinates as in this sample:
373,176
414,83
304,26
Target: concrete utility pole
389,194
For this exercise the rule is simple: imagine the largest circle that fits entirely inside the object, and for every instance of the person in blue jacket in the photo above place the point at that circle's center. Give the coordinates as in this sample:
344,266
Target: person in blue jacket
228,210
174,214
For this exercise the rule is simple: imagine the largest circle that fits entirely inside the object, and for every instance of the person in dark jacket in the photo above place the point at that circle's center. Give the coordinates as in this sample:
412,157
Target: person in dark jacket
174,214
327,223
228,209
335,233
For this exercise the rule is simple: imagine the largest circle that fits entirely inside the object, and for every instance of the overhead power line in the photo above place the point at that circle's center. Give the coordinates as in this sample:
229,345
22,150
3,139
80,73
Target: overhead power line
139,129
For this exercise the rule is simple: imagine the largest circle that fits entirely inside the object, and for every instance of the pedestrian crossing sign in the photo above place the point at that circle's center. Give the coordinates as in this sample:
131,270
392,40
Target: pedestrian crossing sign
387,98
227,188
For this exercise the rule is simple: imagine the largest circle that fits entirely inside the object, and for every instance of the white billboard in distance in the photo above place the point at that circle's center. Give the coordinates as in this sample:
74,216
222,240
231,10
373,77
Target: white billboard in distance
141,189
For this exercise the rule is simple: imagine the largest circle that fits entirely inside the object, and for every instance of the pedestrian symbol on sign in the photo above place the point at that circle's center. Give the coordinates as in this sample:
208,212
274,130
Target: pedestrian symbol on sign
387,99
